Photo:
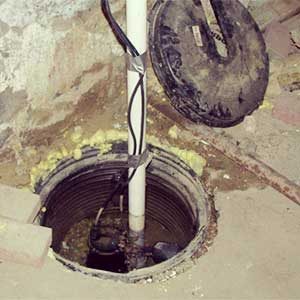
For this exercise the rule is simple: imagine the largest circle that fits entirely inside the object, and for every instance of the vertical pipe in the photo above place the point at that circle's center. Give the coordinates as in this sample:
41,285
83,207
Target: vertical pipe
136,13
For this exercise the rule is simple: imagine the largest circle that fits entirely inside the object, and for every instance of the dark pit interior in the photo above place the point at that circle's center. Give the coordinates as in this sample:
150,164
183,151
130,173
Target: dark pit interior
73,202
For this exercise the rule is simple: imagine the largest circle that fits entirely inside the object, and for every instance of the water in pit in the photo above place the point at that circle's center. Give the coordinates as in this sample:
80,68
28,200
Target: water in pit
74,246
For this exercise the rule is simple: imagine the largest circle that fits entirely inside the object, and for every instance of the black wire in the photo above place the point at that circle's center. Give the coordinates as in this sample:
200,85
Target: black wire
119,33
128,47
139,83
142,114
120,186
124,184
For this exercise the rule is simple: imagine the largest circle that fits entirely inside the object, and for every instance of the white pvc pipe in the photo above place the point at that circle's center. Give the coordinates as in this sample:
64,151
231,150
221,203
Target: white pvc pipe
136,12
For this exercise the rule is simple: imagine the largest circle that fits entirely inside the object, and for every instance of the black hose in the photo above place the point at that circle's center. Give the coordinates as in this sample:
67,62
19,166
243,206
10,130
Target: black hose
119,33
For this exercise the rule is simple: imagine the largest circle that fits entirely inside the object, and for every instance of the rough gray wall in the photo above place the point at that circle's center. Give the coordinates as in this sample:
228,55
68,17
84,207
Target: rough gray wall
51,53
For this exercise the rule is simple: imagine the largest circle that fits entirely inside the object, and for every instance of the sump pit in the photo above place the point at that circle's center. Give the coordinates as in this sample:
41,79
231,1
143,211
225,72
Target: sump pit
177,210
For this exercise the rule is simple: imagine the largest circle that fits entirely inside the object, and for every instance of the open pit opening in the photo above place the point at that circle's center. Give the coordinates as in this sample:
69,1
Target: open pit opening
177,210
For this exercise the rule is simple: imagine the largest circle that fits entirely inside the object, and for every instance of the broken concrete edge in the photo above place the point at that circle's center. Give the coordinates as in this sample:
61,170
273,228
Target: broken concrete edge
14,246
19,205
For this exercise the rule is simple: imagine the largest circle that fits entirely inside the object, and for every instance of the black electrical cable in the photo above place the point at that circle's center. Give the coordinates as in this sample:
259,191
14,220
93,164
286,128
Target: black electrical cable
140,84
119,33
128,47
142,119
120,183
143,110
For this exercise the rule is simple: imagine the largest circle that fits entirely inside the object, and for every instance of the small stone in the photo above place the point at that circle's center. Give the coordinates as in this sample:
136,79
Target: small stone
172,274
204,142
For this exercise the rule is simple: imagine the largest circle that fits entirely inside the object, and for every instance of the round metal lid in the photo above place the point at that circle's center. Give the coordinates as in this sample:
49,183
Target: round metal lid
214,77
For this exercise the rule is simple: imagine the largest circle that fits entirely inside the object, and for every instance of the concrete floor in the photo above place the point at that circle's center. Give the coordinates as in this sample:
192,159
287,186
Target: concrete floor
254,256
